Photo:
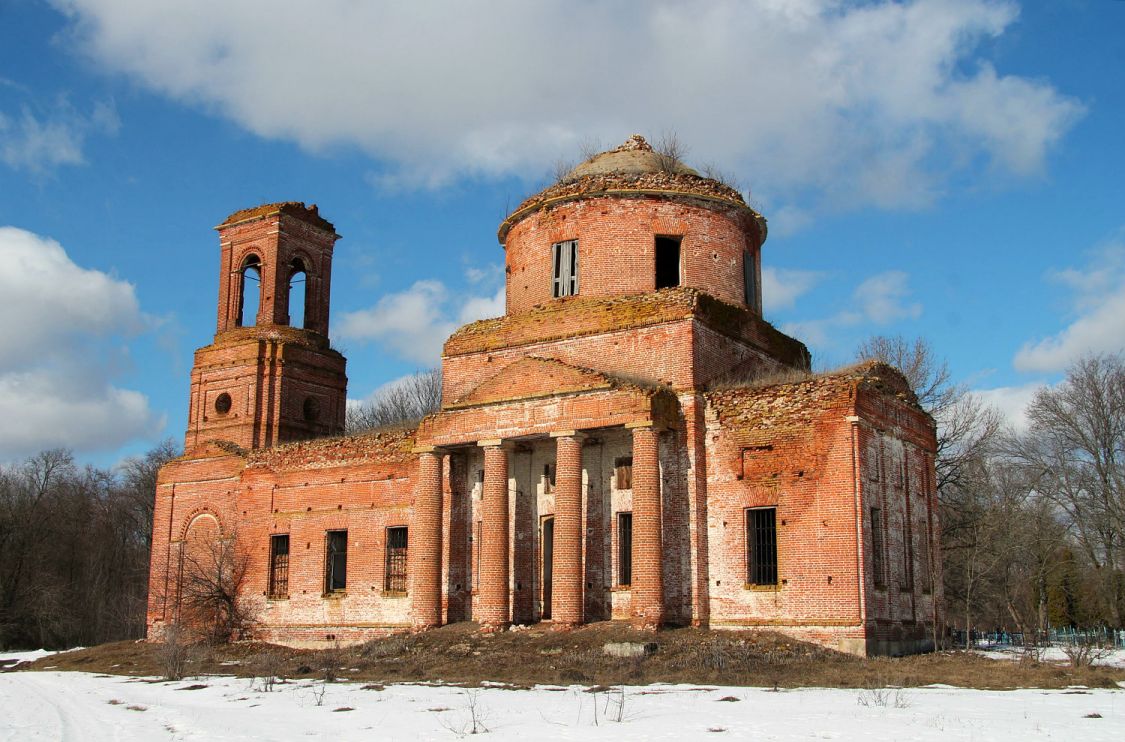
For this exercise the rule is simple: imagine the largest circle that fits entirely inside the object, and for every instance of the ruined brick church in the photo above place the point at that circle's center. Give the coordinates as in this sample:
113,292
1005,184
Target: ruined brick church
630,441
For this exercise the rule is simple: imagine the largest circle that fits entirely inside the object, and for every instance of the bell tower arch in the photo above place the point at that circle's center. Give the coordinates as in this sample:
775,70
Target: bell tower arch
270,375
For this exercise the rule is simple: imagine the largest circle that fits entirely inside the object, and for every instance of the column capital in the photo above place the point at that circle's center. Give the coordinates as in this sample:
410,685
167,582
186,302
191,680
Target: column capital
436,450
643,424
579,434
496,443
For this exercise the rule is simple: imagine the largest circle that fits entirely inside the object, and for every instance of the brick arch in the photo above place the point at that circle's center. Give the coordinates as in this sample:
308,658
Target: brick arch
195,516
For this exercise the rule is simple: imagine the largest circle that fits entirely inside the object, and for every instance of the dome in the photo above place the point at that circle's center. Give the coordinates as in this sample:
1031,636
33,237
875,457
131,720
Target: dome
634,157
632,170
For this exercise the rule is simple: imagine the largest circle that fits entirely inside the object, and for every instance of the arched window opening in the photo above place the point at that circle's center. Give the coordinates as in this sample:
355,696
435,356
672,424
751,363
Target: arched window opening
298,294
249,291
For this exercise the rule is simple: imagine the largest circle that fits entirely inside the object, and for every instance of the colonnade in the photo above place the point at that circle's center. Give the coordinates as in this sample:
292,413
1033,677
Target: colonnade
493,607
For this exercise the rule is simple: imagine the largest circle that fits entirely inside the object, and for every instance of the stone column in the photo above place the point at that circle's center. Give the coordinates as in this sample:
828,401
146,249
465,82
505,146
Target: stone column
495,580
425,532
566,568
648,557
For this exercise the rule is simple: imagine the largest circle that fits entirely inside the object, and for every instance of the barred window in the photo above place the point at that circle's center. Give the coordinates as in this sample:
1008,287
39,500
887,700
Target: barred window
623,472
878,566
336,561
624,549
761,545
395,578
279,565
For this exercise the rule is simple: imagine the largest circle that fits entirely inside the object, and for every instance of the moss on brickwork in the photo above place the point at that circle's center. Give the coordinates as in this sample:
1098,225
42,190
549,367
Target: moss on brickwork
576,316
773,409
296,209
377,447
532,378
672,185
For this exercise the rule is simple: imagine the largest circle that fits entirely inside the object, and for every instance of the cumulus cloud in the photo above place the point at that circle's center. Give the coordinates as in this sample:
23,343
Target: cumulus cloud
1097,299
882,299
415,323
1011,401
781,287
58,351
40,143
817,101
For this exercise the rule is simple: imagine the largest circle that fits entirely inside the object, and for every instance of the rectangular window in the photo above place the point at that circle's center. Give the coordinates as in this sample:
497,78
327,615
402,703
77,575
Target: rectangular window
279,565
761,545
667,262
335,561
548,478
395,578
564,257
623,472
477,540
624,549
749,280
907,555
878,567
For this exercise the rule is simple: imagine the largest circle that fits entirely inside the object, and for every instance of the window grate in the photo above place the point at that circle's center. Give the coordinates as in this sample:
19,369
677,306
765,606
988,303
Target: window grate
624,549
395,580
279,566
761,541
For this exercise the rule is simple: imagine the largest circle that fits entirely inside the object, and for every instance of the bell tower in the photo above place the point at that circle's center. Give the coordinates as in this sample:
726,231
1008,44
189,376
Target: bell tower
270,376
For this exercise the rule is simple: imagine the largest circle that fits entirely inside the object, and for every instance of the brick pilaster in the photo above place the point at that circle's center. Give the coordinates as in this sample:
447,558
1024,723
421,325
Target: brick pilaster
426,535
566,568
495,582
648,566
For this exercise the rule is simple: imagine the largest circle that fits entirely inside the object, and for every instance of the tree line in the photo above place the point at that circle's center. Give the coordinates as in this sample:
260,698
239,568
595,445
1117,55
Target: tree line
74,548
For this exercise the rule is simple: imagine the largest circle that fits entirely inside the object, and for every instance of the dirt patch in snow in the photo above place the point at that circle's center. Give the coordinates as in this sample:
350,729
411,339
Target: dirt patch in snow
459,653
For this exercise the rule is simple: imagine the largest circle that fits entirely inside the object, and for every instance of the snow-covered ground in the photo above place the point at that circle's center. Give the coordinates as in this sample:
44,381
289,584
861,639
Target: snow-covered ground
81,706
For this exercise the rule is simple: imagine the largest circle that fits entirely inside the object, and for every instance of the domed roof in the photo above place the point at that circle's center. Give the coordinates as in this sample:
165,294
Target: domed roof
634,157
632,170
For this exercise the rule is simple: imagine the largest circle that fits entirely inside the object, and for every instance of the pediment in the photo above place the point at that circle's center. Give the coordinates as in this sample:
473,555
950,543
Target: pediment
531,378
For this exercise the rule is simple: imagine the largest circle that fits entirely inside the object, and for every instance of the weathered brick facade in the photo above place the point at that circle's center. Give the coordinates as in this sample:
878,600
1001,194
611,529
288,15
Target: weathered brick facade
599,454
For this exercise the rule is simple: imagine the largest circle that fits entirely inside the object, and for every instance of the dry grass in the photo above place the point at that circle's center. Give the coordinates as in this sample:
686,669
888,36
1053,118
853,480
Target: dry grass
460,654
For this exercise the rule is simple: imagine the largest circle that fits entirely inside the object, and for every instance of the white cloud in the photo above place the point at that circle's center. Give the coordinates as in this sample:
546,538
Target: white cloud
1012,402
814,100
415,323
61,331
878,300
40,144
1098,307
881,298
781,287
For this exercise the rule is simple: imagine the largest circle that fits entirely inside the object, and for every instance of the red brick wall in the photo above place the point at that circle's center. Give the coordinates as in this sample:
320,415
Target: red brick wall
616,247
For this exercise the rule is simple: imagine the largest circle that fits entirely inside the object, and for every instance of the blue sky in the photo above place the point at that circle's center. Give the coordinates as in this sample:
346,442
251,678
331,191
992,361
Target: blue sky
952,170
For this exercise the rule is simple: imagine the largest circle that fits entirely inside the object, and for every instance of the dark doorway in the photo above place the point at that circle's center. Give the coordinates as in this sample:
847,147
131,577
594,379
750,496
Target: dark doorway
667,262
547,557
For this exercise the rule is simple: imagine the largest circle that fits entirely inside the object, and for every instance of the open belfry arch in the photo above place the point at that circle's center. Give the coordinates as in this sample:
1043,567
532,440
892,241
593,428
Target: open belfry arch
612,448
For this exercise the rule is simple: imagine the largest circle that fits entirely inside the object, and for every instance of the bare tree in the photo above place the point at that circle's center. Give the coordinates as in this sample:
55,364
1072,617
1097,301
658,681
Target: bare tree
670,151
1075,447
966,428
399,405
212,596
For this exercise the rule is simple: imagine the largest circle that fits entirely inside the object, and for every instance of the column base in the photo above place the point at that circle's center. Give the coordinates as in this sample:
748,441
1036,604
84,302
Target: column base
494,628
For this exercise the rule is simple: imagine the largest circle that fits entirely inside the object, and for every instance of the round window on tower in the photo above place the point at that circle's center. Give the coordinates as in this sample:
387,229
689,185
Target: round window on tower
311,409
222,403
